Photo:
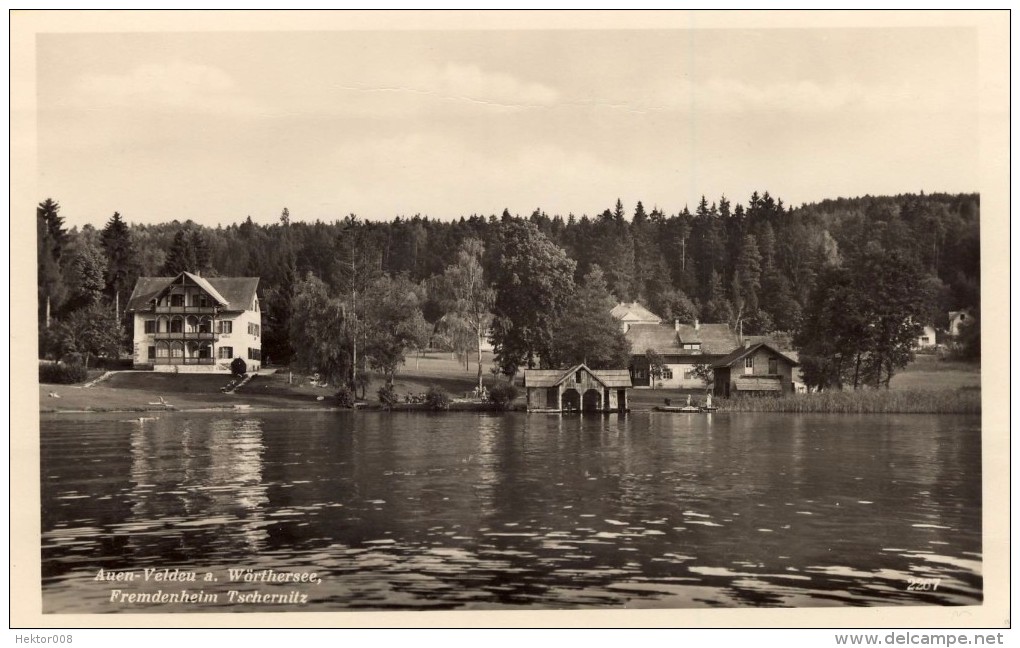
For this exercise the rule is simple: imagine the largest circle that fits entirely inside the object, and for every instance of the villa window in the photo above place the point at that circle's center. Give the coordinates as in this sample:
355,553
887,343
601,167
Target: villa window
773,366
667,373
749,363
150,326
177,300
225,353
577,377
152,353
225,327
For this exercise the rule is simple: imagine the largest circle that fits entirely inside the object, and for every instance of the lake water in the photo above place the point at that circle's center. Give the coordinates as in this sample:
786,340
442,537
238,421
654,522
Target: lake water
476,511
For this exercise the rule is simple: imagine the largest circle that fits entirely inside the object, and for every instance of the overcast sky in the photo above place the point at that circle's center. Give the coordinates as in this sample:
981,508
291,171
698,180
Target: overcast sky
218,126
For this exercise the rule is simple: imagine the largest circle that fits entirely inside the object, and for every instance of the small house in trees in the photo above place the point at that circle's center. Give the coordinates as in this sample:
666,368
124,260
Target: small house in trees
926,338
578,389
958,319
632,313
754,370
191,323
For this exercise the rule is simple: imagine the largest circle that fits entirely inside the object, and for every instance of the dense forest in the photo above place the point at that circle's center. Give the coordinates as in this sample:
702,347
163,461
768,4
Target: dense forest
848,279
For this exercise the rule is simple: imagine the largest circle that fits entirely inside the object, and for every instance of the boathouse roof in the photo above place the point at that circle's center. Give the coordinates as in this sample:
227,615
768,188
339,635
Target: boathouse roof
553,377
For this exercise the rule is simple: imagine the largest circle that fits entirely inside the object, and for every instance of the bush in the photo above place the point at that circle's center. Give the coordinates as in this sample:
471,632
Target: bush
62,374
113,364
437,398
345,397
238,367
503,395
387,396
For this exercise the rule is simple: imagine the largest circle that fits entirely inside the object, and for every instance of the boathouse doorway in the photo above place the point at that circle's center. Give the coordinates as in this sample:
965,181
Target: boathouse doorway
552,396
571,400
592,401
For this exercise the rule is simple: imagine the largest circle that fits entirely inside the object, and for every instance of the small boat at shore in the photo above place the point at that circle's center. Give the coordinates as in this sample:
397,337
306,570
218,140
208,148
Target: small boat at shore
688,408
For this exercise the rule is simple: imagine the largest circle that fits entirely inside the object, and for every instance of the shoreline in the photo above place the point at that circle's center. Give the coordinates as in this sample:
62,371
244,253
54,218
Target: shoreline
146,393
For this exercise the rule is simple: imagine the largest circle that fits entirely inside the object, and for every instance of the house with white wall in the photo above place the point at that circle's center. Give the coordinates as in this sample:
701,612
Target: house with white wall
190,323
926,338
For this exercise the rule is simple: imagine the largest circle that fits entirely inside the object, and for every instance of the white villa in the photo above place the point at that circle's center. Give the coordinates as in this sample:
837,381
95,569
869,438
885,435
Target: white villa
191,323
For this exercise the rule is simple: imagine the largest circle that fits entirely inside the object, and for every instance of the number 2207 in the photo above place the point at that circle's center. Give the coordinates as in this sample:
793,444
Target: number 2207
923,584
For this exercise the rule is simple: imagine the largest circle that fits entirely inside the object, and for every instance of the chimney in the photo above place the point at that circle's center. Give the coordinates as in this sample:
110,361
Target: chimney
747,343
676,325
696,324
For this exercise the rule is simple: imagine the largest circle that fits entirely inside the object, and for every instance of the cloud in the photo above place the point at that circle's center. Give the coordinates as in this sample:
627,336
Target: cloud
462,83
799,97
177,85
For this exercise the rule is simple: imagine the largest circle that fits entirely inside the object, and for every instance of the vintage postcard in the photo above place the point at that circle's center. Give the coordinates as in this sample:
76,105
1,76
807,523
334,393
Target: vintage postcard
504,319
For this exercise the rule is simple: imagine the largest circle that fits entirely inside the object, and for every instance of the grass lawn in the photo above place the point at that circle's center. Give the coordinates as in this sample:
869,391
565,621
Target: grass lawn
928,372
141,390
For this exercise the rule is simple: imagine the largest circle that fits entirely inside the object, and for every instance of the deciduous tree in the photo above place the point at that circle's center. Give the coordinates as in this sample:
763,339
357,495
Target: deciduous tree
534,282
321,336
469,297
89,331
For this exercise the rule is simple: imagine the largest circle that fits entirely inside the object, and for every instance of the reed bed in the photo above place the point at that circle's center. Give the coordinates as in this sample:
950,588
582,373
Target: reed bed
880,401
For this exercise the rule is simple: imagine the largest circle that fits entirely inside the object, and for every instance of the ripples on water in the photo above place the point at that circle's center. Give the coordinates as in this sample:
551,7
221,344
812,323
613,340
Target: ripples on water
417,511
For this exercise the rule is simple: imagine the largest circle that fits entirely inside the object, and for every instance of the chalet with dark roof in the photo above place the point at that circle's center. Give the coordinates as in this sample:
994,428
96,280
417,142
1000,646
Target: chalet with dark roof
577,389
754,370
194,323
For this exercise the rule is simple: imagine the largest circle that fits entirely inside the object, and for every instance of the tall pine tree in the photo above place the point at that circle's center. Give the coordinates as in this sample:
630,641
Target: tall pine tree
121,265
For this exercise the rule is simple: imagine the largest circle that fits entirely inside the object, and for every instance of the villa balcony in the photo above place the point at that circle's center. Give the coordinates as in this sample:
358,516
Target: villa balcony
184,310
183,361
201,336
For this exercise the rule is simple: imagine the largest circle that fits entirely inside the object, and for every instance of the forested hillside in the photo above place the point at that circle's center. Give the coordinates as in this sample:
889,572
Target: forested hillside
759,265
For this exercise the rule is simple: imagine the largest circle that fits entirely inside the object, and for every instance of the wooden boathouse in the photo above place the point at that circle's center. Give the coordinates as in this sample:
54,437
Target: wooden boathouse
578,389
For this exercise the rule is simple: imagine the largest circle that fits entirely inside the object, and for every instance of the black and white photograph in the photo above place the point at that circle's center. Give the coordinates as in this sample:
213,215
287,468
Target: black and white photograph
360,312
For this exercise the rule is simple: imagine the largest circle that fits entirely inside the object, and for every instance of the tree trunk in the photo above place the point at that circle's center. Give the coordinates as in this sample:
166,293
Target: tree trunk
47,311
479,332
857,370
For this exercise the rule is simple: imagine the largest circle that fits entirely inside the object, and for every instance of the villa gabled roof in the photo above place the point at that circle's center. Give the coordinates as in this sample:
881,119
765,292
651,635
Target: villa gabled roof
202,283
231,293
553,377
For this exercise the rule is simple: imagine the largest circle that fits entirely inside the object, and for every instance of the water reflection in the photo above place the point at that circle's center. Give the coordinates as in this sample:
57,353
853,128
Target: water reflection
479,511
